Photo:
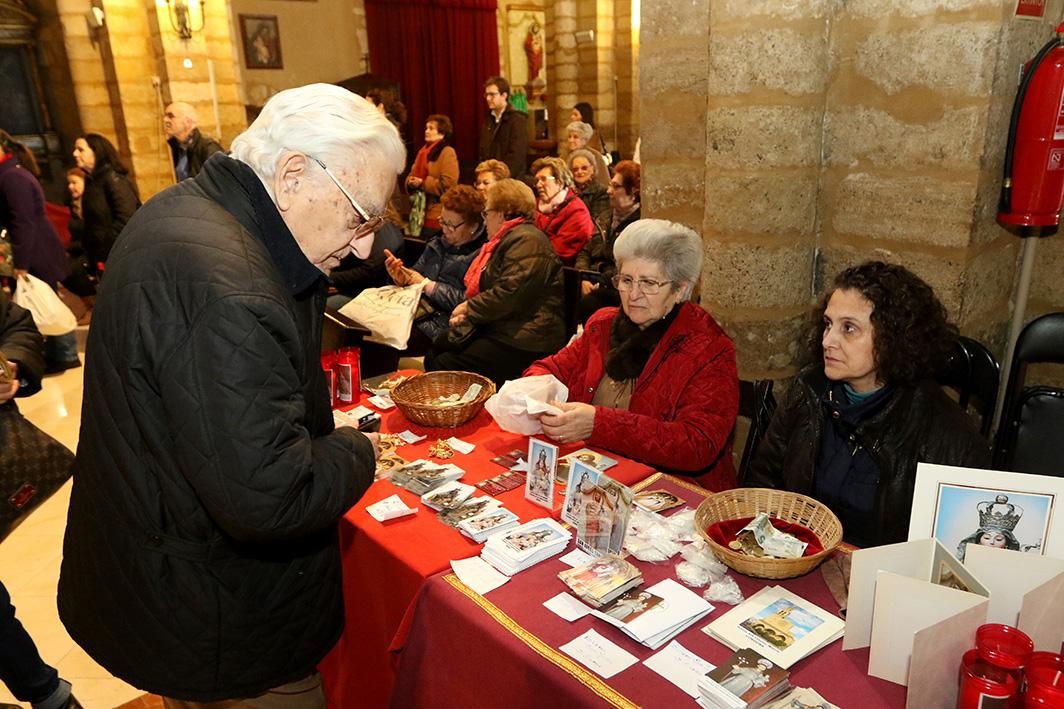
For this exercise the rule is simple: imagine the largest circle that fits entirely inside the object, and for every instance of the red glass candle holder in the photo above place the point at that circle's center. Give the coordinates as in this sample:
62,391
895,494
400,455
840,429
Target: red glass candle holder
1045,681
328,362
348,374
984,684
1003,645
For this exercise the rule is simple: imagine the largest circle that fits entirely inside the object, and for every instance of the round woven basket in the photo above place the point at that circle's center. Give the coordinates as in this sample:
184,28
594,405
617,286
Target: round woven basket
787,506
411,395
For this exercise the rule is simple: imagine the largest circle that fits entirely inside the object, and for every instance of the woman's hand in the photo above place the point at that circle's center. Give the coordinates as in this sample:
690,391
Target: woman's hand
587,286
398,272
458,315
9,389
414,183
574,423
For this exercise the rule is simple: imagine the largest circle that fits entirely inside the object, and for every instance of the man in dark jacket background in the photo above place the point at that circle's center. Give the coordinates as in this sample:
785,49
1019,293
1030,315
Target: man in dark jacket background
189,148
201,557
504,135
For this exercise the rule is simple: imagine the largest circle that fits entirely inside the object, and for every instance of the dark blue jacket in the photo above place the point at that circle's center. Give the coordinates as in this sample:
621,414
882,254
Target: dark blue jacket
447,265
35,245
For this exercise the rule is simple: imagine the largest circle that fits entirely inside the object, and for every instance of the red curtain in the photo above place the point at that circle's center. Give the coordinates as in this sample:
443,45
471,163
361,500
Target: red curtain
440,51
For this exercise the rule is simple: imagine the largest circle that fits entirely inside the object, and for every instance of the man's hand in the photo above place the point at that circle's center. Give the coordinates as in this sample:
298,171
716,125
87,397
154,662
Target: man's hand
574,423
375,439
9,389
459,314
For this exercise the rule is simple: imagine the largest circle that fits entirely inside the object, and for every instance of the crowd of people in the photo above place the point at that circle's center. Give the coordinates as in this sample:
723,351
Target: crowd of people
221,512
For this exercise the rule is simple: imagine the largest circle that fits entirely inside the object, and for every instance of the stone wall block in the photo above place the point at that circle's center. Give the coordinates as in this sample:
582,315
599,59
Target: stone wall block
773,347
670,19
950,57
674,125
769,203
682,67
775,59
1047,282
857,135
988,284
673,190
878,9
763,136
922,210
738,275
777,9
944,274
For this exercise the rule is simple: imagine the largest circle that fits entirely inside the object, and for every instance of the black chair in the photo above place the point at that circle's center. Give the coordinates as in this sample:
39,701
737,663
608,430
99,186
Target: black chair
975,375
572,278
1030,438
757,404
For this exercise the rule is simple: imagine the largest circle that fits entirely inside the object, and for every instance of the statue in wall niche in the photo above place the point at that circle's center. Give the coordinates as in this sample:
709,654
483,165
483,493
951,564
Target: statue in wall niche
534,49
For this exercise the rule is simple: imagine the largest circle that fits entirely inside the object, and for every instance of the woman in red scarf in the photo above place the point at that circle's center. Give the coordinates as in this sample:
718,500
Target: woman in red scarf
560,213
435,167
512,314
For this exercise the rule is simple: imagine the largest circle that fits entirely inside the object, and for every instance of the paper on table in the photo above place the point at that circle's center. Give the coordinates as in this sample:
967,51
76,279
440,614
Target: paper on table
577,557
680,666
599,654
478,574
463,447
350,418
411,437
390,507
521,465
567,607
382,402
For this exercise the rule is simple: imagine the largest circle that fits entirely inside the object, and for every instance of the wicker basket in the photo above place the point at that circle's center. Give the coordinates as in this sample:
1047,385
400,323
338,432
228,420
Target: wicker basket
411,395
787,506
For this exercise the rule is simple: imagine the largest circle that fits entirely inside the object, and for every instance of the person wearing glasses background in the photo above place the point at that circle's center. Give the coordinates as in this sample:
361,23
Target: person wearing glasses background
504,135
512,312
201,558
654,380
444,261
560,213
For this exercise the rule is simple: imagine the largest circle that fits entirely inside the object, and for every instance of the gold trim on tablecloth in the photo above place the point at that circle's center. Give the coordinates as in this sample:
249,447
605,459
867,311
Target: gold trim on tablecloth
647,482
563,662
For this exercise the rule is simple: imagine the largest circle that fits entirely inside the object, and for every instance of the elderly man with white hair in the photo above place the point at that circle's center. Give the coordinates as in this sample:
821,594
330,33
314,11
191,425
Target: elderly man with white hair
201,559
189,148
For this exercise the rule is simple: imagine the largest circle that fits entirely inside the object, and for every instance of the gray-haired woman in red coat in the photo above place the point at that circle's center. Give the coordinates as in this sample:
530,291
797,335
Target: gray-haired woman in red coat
655,380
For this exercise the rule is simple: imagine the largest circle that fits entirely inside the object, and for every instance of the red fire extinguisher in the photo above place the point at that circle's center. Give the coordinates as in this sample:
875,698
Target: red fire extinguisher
1032,192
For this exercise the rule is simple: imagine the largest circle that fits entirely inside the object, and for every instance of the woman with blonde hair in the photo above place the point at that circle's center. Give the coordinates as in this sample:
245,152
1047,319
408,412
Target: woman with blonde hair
560,213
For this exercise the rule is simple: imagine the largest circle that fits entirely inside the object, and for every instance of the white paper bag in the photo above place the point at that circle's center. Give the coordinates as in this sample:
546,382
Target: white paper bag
387,312
510,405
50,314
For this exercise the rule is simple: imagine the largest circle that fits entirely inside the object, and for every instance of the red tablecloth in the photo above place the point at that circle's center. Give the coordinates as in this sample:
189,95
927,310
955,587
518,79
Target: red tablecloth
385,565
469,650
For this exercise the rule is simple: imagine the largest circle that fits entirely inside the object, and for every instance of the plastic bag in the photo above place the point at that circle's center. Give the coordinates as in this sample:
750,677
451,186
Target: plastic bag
515,407
725,591
682,524
51,316
650,538
387,312
700,566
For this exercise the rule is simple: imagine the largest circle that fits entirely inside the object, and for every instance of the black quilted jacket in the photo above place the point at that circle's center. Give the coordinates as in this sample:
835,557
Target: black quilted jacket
201,559
918,424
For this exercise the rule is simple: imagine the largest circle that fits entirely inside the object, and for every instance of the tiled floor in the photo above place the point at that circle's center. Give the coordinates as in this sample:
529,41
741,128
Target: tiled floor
30,556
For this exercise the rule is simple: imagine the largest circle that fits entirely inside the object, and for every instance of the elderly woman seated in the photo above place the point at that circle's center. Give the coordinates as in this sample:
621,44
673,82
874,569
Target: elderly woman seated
655,380
512,314
858,419
580,135
488,173
560,213
445,260
592,192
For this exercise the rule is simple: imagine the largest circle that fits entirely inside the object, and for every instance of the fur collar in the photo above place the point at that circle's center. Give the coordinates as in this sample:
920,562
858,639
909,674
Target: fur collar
630,347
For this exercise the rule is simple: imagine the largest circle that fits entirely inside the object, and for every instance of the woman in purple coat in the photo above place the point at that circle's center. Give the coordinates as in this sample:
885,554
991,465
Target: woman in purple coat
36,248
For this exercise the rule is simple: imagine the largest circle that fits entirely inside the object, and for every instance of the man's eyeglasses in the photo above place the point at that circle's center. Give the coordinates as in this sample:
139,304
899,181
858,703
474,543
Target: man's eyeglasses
449,226
646,285
369,224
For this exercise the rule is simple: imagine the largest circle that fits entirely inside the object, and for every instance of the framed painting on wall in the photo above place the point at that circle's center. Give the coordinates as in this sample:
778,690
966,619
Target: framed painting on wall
262,41
526,42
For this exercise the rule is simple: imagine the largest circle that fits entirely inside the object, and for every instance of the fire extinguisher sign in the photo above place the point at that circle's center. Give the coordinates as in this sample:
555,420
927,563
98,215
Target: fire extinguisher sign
1031,9
1056,160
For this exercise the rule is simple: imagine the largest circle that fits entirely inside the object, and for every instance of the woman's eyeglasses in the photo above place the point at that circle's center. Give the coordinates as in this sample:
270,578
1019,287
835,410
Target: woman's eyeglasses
646,285
449,226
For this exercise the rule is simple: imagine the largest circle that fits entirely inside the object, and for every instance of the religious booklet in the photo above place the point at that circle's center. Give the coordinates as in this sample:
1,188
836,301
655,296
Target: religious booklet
780,625
542,465
467,510
588,457
746,680
602,512
448,496
601,580
655,614
526,545
488,523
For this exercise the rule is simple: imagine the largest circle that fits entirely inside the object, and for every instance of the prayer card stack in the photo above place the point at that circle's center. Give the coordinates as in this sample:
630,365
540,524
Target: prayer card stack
526,545
601,580
485,524
448,496
746,680
421,476
656,614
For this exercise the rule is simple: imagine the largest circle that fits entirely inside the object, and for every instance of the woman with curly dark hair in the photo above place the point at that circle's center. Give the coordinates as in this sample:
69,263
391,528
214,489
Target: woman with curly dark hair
109,199
856,421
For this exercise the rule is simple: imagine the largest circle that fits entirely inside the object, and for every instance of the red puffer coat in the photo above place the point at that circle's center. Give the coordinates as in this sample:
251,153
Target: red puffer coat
568,227
684,404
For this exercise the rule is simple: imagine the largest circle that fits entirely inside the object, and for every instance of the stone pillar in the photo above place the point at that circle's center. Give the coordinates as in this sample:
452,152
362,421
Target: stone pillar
802,137
564,81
